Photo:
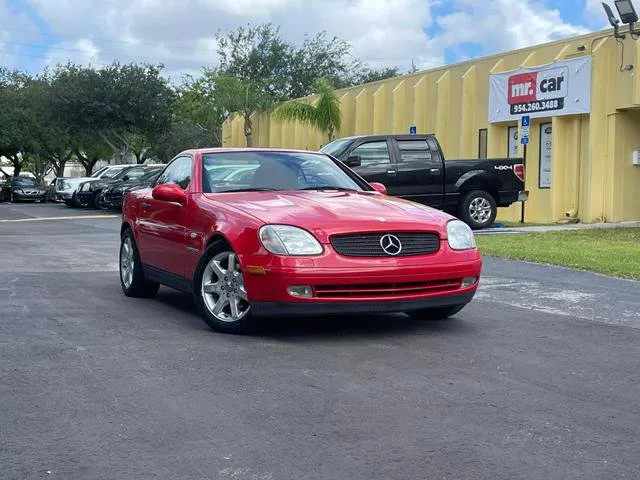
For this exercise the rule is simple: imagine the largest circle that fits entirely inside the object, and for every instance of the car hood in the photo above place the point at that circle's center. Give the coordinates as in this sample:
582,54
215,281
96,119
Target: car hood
330,213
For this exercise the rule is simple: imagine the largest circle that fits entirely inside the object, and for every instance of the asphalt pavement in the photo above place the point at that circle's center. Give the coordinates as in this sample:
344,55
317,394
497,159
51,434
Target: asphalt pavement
538,378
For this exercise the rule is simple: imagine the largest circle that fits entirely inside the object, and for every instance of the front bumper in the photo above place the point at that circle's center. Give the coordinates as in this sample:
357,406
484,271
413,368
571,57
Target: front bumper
350,286
29,197
305,309
86,197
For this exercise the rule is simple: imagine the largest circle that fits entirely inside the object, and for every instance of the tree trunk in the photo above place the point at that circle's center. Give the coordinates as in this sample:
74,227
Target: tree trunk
88,166
331,133
60,166
248,130
17,165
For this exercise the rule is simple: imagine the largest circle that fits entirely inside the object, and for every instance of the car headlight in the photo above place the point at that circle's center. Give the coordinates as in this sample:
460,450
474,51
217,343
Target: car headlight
287,240
460,236
19,191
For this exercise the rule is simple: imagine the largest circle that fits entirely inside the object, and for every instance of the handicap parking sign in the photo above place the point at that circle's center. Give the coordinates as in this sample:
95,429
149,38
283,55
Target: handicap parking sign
413,130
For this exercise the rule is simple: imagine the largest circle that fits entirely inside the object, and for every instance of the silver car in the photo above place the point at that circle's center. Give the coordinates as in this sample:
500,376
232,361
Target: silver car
66,187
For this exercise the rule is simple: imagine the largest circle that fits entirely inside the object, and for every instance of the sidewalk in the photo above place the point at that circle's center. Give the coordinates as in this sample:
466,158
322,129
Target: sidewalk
555,228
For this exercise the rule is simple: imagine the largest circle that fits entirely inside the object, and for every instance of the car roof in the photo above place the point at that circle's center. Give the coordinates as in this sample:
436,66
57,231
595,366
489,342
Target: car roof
246,149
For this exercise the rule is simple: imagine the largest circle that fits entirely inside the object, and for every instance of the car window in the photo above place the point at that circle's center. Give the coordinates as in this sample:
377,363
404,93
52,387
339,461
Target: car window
241,171
178,172
372,153
337,147
25,182
414,151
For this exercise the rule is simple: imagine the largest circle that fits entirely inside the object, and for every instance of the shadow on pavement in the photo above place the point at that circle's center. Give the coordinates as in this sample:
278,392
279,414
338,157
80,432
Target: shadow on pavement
335,327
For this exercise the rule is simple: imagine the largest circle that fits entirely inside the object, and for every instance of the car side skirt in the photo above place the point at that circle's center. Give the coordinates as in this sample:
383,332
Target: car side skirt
167,279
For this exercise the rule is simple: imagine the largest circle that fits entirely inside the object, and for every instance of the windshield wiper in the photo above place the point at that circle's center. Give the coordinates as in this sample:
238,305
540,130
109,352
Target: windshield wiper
330,187
249,190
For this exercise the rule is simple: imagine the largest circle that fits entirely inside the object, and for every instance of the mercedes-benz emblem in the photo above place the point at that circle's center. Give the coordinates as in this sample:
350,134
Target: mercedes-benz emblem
391,244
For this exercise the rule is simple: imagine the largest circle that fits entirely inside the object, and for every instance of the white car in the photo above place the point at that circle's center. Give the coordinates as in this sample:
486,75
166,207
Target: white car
66,187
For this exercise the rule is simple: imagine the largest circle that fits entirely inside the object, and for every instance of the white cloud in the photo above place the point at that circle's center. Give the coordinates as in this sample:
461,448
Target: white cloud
180,33
503,25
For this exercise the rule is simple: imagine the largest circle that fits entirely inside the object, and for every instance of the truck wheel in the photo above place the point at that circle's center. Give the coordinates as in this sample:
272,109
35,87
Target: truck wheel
478,209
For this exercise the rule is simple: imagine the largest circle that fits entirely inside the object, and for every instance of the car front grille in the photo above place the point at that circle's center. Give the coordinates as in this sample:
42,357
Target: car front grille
371,244
381,290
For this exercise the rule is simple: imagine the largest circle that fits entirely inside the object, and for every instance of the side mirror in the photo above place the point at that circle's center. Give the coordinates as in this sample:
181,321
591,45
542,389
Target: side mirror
169,192
353,161
125,178
378,187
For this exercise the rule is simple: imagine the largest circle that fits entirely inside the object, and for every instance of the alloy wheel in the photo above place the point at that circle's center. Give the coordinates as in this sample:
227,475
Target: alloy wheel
127,262
480,210
223,289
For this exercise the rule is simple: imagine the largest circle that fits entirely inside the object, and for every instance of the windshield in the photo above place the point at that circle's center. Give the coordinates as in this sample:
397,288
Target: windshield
98,173
131,173
150,175
250,171
337,147
25,182
112,173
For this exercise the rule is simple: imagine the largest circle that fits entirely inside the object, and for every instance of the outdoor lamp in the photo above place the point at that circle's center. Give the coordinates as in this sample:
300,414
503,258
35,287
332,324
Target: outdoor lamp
626,11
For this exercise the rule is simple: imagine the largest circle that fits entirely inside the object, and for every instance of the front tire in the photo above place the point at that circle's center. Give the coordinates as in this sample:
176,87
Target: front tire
219,291
98,201
478,209
132,278
440,313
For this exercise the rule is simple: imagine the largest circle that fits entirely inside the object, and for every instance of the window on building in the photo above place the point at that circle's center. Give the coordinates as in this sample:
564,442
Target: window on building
546,155
482,143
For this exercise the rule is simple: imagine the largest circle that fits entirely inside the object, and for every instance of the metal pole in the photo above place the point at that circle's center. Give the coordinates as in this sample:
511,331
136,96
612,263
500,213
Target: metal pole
525,170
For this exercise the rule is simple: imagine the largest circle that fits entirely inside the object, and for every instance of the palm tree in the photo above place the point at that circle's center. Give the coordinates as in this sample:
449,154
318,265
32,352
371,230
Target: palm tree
321,112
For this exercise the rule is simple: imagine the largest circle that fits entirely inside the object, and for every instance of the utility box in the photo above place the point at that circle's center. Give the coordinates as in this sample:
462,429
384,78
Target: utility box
636,157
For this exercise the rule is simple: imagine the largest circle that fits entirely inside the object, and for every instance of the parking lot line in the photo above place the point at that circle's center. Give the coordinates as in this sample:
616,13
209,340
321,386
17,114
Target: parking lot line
70,217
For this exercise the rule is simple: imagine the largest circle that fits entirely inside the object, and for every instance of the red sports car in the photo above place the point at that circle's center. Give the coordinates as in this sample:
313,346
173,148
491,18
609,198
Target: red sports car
266,232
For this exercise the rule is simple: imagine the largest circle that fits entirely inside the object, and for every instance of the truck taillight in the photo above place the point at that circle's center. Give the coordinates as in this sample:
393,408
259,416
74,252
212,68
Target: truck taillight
519,171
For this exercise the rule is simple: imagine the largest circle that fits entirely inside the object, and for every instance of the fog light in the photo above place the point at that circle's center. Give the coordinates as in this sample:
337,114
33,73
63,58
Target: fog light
468,282
303,291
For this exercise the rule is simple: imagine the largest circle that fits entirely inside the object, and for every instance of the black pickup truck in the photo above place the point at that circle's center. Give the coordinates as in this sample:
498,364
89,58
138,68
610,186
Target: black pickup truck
414,167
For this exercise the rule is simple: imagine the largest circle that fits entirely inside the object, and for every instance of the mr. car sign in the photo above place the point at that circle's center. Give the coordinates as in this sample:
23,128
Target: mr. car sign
561,88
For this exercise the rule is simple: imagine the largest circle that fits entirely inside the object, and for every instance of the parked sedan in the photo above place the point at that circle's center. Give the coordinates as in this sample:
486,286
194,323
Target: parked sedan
23,188
113,195
90,192
304,235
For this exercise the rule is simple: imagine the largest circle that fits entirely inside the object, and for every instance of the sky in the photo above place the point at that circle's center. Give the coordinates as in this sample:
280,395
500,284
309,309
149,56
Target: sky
180,34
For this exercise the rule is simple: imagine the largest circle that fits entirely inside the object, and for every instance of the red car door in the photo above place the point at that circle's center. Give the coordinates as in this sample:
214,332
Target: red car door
162,225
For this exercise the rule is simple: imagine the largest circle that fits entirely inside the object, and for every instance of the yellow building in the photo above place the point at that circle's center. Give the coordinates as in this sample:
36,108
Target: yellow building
588,172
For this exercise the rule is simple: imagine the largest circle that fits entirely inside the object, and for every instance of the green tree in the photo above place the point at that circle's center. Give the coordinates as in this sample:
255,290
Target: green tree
243,97
124,106
322,112
16,123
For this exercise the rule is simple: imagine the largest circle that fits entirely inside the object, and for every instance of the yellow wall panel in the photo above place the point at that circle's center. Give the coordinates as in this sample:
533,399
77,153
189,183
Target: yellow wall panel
592,175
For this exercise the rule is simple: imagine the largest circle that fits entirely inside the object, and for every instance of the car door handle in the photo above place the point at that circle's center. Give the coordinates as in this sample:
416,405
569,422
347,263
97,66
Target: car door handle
434,170
392,172
145,206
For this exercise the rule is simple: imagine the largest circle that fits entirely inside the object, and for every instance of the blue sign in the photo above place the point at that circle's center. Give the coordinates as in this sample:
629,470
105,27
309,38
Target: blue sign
526,121
413,130
524,140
